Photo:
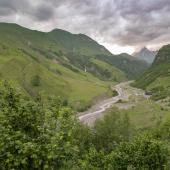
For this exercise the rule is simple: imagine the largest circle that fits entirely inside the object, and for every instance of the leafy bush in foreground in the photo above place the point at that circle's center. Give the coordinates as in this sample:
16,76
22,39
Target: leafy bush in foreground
32,136
39,136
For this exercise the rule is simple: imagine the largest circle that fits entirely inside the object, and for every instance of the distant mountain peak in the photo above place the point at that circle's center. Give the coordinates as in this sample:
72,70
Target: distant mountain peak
146,54
145,49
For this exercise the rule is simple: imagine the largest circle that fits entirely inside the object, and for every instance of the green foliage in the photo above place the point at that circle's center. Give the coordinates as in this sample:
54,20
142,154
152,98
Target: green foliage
108,71
163,130
157,78
117,144
84,137
98,68
163,55
34,136
114,93
112,130
45,135
26,53
93,160
144,152
36,80
131,66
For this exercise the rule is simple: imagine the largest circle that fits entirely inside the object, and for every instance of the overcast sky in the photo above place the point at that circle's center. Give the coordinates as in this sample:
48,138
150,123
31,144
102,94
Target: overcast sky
120,25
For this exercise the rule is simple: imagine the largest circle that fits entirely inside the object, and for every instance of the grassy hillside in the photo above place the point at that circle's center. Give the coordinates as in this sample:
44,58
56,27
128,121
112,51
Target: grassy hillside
47,77
77,49
54,63
146,114
157,78
77,43
97,67
109,71
30,60
131,66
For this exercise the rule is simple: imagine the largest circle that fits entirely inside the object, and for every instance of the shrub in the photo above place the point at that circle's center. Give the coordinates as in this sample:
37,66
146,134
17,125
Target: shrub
34,136
36,80
144,152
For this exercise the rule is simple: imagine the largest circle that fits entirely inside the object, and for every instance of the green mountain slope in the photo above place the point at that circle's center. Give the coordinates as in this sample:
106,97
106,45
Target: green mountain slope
157,78
54,63
78,49
77,43
30,60
34,63
48,77
131,66
109,71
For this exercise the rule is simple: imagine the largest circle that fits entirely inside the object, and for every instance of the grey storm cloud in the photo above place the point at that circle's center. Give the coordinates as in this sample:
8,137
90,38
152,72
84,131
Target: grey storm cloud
40,11
123,22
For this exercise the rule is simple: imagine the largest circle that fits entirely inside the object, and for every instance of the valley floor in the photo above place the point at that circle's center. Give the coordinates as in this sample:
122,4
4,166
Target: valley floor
126,98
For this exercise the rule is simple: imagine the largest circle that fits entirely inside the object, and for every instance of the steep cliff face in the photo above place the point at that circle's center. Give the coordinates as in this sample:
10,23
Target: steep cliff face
146,54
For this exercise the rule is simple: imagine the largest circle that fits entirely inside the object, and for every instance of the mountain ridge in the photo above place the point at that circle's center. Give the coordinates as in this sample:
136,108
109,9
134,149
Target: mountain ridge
157,78
54,64
145,54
